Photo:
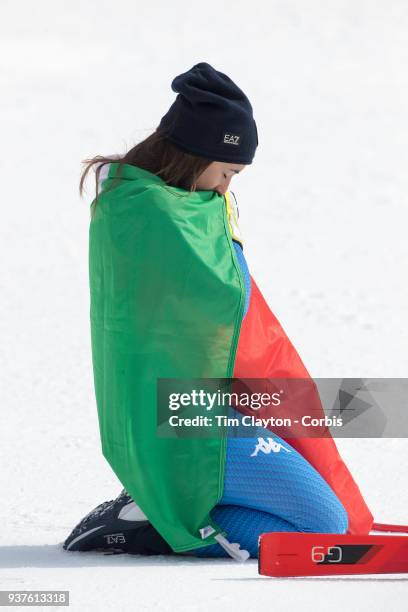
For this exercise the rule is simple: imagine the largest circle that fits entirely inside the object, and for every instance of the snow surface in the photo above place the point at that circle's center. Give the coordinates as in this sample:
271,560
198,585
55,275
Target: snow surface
323,211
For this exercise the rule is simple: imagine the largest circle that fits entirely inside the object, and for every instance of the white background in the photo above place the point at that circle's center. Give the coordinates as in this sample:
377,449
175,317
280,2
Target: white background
323,212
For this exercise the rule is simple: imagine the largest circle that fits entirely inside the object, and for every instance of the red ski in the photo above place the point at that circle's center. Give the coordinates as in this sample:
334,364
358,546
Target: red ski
325,554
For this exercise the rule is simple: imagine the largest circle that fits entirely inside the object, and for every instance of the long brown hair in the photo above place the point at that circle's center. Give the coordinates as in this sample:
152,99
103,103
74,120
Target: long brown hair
157,155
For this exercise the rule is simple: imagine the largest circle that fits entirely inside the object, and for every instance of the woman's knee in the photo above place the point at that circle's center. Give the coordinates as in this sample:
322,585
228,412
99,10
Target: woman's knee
327,516
277,479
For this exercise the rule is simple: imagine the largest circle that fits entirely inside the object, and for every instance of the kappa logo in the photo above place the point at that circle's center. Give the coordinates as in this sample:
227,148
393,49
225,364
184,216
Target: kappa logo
233,139
115,538
267,446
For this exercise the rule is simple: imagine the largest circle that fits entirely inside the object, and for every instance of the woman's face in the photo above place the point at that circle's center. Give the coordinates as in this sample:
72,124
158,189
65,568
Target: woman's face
217,176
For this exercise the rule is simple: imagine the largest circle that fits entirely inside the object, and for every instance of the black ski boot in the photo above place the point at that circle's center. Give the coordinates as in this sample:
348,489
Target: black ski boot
117,526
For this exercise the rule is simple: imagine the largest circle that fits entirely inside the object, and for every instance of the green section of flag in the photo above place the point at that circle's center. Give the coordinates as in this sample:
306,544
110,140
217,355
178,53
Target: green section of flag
166,300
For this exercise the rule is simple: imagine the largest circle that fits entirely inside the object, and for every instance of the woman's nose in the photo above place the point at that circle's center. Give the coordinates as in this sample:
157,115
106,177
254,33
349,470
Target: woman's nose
223,187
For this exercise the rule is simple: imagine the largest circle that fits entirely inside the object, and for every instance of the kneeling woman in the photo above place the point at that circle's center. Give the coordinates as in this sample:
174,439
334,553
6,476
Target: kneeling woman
170,290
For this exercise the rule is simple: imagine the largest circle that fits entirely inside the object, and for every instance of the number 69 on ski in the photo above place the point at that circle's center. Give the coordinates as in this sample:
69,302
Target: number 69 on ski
325,554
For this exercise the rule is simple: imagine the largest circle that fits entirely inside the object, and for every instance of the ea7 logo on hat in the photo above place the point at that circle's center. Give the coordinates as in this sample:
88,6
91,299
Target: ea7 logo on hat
232,139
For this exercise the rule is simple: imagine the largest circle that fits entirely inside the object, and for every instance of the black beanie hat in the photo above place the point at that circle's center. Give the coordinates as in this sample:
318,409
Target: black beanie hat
211,117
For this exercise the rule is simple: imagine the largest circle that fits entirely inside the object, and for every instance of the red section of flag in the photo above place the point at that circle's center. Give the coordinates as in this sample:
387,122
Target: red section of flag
265,351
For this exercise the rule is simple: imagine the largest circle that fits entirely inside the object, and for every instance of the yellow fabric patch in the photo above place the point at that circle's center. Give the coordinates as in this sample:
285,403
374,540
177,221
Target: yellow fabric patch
232,215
